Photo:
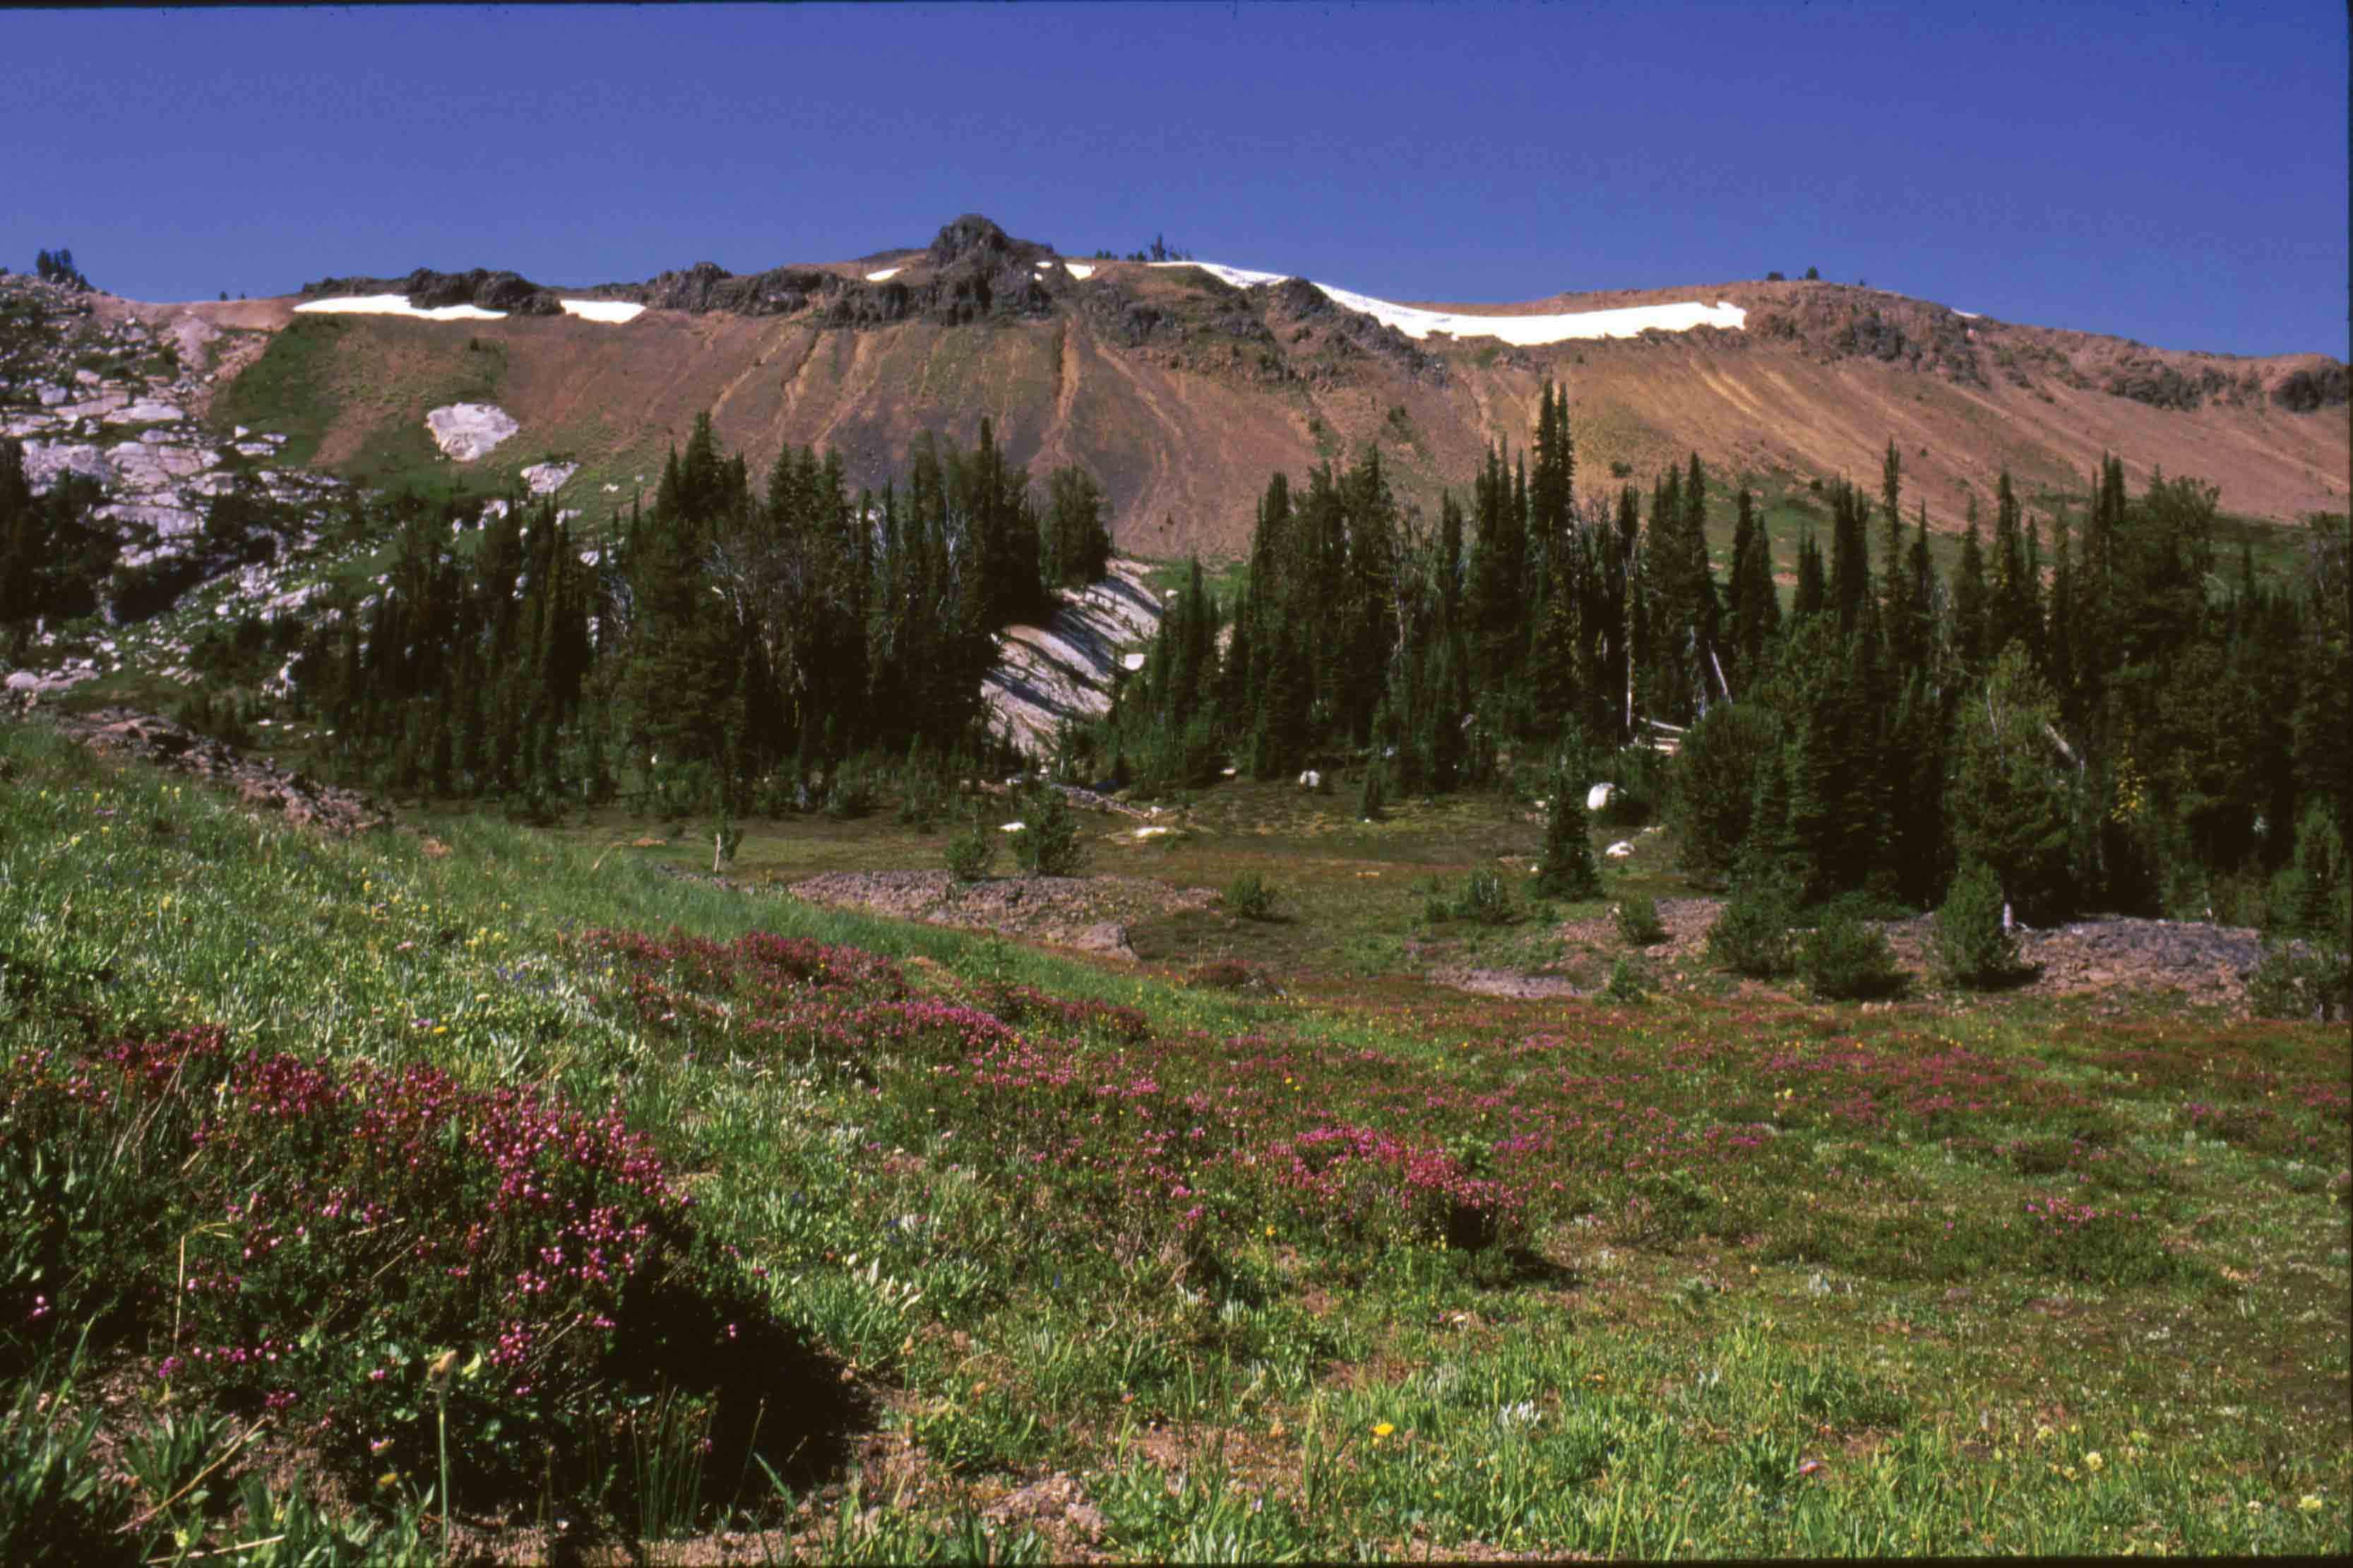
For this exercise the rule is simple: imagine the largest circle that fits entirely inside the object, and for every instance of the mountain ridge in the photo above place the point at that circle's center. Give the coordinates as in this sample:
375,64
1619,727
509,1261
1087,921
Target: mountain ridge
1183,391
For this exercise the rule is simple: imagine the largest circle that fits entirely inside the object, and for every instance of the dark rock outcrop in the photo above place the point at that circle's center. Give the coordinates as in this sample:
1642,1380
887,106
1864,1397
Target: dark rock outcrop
430,291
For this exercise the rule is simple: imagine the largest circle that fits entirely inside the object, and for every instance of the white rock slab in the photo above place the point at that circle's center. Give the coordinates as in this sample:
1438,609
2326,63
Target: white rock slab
1598,796
46,460
146,412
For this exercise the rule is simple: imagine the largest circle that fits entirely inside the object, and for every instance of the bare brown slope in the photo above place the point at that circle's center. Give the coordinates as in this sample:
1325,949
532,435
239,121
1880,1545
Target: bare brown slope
1182,394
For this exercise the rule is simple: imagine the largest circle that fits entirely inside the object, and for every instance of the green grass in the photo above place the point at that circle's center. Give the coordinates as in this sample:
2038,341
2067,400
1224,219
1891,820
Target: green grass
293,388
1696,1278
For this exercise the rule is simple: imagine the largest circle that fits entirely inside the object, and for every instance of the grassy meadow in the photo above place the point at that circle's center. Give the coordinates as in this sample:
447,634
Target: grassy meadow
482,1188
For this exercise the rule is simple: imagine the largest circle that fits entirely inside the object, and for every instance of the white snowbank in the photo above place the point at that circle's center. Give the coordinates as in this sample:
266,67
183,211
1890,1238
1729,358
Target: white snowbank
547,479
1969,315
885,275
1078,269
398,305
614,311
1523,331
470,430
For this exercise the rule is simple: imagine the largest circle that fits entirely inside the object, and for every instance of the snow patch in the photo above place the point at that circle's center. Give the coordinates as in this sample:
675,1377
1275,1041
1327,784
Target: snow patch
1522,332
613,311
466,431
397,305
885,275
1078,269
547,479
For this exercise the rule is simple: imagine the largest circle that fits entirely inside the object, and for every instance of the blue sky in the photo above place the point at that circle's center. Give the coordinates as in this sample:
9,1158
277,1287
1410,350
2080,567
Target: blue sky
2173,172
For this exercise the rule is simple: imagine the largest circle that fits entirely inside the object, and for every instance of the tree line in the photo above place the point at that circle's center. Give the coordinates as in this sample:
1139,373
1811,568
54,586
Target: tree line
731,648
2108,716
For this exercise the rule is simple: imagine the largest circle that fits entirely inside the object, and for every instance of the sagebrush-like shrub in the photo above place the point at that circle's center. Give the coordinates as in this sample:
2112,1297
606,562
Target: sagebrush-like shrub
1486,900
1249,897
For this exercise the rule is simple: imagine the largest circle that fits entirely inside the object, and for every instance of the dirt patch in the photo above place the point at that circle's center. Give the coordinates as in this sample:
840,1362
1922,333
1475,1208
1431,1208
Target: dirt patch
1507,983
1091,914
2209,962
2114,953
143,737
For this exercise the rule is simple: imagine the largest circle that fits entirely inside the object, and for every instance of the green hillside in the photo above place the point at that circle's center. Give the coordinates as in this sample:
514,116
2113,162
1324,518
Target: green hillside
353,1176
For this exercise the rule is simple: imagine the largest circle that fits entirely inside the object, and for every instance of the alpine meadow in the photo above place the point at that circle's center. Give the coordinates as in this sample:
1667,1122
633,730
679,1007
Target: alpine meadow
984,903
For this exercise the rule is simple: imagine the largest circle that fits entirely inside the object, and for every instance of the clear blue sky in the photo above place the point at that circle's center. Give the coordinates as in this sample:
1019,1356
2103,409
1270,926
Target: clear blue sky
2174,172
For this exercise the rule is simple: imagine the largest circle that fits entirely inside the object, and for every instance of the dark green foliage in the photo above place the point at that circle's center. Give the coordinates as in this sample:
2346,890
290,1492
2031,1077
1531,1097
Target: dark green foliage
1568,870
1048,844
2009,805
1486,900
57,267
1846,958
54,557
1972,947
1627,983
1638,922
1249,897
1751,933
1076,549
1715,783
1371,801
2302,980
969,853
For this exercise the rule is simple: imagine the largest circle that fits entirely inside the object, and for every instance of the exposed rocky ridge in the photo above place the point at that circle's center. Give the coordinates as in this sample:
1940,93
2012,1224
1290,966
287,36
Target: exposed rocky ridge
430,291
1182,393
115,401
972,271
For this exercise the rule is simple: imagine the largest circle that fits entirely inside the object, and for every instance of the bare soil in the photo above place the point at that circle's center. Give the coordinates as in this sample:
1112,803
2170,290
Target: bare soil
1091,914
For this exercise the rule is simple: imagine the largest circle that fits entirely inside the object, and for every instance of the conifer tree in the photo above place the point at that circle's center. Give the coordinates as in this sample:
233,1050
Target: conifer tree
1568,870
1813,592
1970,603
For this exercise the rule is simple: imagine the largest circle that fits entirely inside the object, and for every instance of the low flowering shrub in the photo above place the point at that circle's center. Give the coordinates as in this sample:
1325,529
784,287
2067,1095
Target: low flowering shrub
326,1232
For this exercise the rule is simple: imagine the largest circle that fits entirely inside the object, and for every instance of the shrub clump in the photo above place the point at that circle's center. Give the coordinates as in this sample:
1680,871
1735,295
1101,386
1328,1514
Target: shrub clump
1249,897
1568,870
1638,922
1486,900
1627,982
1048,844
1846,958
970,853
1972,948
2301,980
1751,934
322,1232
